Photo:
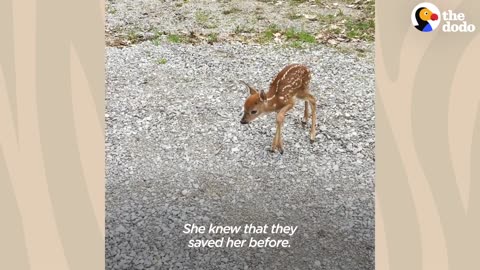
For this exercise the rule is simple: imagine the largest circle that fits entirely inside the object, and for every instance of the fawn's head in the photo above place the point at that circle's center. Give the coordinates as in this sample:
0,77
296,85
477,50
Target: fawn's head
254,105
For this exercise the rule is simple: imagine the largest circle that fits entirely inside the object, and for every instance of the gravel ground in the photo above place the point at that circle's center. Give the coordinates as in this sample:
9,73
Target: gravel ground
176,154
210,16
346,23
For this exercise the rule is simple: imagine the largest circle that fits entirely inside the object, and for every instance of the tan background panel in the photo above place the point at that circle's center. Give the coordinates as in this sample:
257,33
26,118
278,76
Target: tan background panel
51,151
428,142
51,135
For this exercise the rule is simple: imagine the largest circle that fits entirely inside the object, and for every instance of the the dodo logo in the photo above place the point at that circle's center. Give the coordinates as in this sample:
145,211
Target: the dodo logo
426,17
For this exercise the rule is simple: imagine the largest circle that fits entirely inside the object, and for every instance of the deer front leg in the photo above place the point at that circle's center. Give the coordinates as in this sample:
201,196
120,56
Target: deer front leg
277,140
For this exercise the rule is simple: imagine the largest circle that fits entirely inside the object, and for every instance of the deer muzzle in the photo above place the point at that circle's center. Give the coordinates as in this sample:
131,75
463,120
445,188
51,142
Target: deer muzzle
244,120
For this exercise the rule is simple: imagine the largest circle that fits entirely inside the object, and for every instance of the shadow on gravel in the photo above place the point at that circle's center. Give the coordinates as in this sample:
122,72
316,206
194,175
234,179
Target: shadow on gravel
177,154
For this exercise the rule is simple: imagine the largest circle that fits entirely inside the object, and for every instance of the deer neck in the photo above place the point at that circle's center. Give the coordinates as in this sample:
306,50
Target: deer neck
269,106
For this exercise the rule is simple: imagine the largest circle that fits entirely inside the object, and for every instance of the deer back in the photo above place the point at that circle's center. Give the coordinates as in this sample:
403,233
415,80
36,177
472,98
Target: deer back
290,81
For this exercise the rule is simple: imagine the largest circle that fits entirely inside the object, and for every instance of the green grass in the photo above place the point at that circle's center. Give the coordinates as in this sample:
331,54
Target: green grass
296,44
156,39
306,37
175,38
294,16
162,61
201,17
231,11
361,55
368,6
269,33
132,36
112,10
327,19
344,50
295,37
298,1
360,29
292,34
260,17
204,19
243,29
213,37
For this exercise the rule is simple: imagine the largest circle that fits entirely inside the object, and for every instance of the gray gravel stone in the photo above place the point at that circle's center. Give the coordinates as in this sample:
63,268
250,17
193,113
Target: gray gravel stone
175,125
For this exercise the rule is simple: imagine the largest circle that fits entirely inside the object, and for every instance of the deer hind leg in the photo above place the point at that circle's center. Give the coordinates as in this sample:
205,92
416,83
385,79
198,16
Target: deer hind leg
278,140
305,114
313,104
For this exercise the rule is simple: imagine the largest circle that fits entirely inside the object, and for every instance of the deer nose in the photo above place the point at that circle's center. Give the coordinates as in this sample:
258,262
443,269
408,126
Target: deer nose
243,122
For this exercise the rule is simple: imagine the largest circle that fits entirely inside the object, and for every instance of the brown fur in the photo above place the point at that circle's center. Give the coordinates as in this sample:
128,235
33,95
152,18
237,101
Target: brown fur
291,82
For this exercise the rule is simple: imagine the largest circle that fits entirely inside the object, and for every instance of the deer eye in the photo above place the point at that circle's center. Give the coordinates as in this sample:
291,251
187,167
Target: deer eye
253,112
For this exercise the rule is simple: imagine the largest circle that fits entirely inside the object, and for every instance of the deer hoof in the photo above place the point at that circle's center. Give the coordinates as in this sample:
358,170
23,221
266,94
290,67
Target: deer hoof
312,140
274,149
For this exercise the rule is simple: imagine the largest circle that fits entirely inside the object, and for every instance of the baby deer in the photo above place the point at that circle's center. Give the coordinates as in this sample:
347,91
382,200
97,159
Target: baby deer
291,83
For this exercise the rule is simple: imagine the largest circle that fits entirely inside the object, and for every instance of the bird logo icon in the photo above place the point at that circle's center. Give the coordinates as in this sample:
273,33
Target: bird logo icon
425,17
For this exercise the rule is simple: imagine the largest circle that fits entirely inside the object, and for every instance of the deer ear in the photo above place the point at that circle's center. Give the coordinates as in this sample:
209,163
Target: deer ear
263,96
250,88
